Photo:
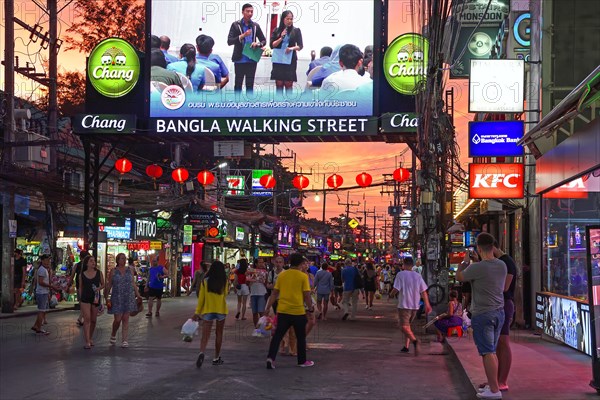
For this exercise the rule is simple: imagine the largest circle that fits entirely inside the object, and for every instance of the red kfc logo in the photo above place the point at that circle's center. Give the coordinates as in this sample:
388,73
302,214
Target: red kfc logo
496,181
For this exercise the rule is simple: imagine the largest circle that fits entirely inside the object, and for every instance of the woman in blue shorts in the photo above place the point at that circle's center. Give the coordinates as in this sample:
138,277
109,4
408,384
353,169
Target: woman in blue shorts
212,306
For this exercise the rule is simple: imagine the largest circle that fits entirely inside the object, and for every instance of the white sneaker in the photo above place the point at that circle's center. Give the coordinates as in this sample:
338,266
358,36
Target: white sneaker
488,394
483,389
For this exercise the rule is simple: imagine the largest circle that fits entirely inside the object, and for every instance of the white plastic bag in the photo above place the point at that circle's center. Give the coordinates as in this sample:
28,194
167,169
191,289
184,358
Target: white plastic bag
189,330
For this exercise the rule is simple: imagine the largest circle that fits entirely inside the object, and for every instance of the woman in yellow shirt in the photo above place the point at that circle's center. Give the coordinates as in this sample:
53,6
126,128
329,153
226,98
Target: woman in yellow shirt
212,306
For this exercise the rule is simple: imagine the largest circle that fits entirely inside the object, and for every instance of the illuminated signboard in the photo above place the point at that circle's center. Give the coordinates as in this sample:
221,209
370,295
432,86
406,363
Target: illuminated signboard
576,189
497,86
257,188
256,106
565,320
235,185
113,67
187,234
117,232
405,61
495,138
496,181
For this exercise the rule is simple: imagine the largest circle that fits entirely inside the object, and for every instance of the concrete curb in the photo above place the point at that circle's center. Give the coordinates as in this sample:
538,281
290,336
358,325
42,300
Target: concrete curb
30,313
462,372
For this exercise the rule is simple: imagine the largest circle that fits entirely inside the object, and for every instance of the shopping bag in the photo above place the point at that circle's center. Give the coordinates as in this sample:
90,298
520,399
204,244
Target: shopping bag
189,330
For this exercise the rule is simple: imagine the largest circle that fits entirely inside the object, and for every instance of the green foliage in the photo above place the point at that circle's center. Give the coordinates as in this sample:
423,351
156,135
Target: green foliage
98,20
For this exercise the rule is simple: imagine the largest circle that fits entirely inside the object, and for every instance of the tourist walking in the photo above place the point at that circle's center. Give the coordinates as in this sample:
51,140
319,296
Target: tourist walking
212,306
156,284
241,288
324,288
410,288
293,291
42,291
350,277
91,282
122,298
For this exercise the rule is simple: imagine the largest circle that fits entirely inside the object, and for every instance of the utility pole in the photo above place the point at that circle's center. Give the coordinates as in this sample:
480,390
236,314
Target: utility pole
8,205
347,204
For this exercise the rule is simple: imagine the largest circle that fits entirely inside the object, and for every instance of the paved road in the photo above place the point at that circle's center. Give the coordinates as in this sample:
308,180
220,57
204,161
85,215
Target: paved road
354,360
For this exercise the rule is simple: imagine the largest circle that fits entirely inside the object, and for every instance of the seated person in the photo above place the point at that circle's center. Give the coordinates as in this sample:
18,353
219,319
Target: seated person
331,66
325,56
158,71
351,61
204,45
451,318
188,66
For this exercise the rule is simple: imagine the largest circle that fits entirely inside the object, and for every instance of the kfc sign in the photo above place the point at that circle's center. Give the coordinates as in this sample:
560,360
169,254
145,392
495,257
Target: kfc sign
496,181
575,189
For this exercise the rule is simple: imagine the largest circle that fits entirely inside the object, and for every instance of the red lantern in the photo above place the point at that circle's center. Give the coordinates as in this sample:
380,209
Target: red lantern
335,181
123,165
267,181
205,177
363,179
154,171
300,182
401,175
180,175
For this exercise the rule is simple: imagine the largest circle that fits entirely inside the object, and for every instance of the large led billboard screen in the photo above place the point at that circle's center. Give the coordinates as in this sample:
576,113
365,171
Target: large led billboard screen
273,66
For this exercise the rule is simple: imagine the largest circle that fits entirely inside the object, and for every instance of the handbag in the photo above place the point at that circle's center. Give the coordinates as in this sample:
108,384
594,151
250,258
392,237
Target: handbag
140,308
358,282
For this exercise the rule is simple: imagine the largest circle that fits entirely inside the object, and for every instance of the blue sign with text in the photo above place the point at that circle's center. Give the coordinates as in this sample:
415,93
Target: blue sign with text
117,232
495,138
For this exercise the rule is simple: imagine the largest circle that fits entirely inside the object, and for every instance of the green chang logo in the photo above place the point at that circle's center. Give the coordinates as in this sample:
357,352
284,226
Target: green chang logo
113,67
405,62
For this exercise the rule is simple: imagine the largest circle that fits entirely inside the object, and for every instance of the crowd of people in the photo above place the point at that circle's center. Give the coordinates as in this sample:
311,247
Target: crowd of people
344,68
298,295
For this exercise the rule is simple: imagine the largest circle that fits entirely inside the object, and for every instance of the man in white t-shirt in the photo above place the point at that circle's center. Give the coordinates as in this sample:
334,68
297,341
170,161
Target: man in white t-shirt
410,287
42,293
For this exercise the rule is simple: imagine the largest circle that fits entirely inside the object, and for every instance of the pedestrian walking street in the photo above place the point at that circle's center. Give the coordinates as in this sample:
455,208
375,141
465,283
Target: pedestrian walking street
353,360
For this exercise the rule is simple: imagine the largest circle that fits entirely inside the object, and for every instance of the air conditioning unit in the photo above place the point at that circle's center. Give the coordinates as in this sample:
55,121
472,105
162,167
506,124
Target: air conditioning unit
36,157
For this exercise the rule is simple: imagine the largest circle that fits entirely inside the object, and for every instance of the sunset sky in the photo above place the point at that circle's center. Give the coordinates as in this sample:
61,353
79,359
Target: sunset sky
346,159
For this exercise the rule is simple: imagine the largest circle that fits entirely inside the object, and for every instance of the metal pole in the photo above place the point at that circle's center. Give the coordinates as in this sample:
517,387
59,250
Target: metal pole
324,198
533,103
8,210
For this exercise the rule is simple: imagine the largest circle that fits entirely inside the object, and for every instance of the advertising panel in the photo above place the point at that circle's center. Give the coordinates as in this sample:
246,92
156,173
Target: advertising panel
113,67
104,123
565,320
235,185
144,228
496,181
257,188
268,90
117,232
495,138
497,86
479,21
593,257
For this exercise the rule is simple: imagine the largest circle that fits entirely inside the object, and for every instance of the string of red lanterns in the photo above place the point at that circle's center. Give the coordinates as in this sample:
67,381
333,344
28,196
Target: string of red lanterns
300,182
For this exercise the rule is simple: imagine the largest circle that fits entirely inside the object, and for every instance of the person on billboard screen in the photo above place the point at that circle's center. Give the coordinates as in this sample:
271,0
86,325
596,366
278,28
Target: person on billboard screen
351,61
288,38
245,34
188,67
205,57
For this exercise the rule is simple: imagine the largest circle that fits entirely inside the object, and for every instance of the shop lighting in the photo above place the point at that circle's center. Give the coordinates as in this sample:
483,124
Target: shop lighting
222,165
464,208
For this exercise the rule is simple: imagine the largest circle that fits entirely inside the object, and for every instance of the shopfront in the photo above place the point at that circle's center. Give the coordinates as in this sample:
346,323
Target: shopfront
568,182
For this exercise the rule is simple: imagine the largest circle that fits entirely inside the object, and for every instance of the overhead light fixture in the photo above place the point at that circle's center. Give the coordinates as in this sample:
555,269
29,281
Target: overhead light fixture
222,165
317,197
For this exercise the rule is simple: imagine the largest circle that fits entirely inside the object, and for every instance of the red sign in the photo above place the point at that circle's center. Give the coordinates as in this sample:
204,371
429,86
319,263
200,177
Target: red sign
573,190
337,245
496,181
145,245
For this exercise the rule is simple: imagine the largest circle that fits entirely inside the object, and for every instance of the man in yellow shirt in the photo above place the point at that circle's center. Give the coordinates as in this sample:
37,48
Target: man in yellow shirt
292,291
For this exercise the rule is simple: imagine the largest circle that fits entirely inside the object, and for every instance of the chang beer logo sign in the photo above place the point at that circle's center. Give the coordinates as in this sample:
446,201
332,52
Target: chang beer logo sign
405,63
113,67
